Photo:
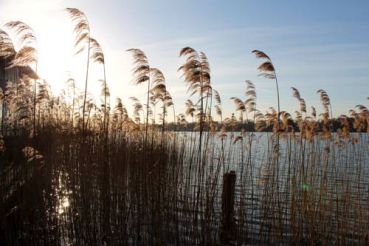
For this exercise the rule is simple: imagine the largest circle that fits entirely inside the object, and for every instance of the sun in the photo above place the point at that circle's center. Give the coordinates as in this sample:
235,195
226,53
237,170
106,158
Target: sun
56,59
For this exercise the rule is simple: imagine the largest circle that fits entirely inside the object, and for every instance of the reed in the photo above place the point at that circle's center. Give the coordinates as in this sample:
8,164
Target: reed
95,175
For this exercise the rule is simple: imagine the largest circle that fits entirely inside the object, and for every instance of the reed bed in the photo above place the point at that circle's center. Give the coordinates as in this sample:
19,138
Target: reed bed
75,173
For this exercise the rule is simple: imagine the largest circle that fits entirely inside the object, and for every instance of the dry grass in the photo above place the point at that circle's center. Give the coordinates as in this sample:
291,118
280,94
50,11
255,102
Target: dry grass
73,172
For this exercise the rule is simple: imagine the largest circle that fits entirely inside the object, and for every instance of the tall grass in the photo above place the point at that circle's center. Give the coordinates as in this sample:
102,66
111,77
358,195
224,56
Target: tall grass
95,175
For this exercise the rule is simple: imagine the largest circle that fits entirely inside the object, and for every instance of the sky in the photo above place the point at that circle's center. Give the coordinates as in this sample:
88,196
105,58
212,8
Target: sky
313,45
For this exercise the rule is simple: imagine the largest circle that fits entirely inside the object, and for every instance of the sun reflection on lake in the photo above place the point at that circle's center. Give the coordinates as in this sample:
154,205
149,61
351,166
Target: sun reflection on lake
62,193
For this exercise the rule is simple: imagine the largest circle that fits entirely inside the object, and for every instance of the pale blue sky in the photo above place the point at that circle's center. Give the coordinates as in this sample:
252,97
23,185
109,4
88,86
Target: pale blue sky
313,44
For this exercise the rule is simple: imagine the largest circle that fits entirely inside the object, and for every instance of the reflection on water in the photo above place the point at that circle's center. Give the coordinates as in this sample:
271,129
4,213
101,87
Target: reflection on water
64,203
315,190
62,194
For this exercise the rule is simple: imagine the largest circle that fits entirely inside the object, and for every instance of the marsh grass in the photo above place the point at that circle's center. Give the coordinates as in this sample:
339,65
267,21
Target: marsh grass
94,175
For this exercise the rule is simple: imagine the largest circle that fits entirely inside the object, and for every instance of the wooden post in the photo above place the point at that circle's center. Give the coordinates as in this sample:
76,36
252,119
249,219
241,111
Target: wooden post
228,194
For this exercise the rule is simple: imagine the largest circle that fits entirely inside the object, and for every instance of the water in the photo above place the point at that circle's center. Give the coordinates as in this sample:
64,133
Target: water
307,175
302,192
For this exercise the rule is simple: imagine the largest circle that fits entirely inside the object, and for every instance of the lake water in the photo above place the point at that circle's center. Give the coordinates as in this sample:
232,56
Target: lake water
303,192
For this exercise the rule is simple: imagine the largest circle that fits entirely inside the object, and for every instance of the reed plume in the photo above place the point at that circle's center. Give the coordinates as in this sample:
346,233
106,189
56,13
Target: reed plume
27,55
267,70
196,72
240,106
82,42
141,72
325,100
159,92
6,45
190,108
97,56
218,106
296,94
250,93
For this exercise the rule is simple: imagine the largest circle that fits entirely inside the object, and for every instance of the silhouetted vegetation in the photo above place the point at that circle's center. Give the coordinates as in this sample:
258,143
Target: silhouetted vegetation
74,171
